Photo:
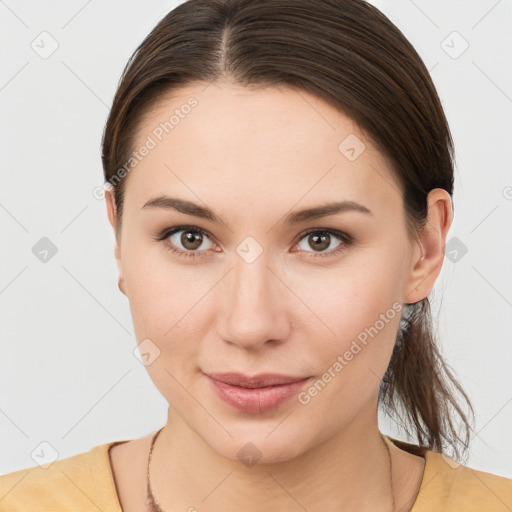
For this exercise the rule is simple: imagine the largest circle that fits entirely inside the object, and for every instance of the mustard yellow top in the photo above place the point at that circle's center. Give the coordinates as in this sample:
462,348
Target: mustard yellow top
85,482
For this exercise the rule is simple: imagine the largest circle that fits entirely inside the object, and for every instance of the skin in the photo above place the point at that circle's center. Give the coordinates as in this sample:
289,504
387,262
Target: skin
253,156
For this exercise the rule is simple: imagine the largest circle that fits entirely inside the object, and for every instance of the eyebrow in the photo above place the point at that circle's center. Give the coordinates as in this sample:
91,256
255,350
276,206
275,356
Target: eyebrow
308,214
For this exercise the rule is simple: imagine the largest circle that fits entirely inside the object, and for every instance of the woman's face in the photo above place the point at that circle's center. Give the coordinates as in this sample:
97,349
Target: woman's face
263,290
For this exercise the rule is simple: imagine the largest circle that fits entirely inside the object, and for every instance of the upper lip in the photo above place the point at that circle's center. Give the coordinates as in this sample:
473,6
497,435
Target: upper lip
255,381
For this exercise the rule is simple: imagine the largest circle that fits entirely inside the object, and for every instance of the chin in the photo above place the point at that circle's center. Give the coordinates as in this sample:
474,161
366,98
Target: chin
259,448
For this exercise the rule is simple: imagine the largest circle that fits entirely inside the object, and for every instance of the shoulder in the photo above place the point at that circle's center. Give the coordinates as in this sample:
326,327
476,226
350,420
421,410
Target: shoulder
448,485
74,483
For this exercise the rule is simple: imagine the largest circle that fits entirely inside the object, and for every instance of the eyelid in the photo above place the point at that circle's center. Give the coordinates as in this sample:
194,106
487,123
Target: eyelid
346,240
168,232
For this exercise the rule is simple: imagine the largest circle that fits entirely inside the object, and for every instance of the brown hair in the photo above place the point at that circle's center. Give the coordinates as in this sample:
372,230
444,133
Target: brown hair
350,55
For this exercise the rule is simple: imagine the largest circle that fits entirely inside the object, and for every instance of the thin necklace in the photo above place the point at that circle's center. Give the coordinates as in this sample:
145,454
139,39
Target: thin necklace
155,507
150,499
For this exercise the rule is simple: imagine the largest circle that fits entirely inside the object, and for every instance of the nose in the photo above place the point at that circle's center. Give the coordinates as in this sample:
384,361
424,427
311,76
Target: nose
253,302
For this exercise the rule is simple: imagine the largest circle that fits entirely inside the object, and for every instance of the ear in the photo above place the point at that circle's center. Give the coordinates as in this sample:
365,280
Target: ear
112,217
428,255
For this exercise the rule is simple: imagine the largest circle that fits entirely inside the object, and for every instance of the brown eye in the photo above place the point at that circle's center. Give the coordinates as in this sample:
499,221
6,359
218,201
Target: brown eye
187,241
320,241
191,240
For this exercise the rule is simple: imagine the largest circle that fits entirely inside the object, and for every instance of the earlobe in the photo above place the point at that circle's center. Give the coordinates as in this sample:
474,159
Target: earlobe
428,256
120,281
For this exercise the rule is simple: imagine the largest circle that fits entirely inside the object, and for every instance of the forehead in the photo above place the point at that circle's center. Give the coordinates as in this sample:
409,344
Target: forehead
256,148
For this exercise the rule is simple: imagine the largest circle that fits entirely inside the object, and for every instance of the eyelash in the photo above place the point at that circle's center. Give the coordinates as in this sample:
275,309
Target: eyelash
346,240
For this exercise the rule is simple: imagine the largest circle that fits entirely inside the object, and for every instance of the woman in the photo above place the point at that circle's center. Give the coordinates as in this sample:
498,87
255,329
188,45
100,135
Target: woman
279,178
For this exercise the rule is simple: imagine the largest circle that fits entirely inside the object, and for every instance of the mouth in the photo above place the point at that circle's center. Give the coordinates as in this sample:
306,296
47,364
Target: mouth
258,393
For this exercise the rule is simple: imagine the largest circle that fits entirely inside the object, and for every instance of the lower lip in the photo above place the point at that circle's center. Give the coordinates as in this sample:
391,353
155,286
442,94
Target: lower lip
257,400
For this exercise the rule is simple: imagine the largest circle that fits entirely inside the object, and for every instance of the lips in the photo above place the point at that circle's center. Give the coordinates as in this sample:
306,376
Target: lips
258,393
257,381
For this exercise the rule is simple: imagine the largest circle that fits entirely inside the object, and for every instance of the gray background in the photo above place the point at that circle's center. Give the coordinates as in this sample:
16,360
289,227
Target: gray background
68,373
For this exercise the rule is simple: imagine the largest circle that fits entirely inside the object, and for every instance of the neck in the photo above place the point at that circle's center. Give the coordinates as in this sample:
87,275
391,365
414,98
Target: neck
347,472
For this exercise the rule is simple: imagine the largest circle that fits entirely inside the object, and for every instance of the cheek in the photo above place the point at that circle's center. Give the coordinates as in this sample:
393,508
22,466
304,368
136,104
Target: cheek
350,367
360,309
162,292
354,295
167,309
